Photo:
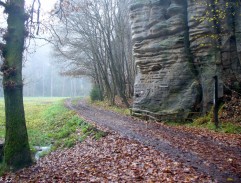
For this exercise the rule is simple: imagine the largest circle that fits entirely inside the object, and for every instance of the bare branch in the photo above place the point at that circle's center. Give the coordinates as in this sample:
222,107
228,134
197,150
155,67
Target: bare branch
32,11
2,46
3,4
60,9
38,15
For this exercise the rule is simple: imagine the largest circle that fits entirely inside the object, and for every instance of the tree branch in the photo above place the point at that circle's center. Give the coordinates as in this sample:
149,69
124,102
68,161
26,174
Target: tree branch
3,4
2,46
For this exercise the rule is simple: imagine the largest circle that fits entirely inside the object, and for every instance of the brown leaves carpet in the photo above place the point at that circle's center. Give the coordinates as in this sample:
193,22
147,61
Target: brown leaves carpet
110,159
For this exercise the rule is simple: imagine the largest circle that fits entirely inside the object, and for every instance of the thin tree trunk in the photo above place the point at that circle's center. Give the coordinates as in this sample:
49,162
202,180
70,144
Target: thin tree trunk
43,82
63,87
51,82
215,110
75,88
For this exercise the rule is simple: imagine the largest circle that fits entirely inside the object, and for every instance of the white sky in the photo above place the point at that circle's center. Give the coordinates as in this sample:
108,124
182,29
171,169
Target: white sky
39,46
46,5
42,50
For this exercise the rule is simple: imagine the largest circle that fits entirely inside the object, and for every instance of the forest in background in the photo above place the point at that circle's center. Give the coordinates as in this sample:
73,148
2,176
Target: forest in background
42,77
86,47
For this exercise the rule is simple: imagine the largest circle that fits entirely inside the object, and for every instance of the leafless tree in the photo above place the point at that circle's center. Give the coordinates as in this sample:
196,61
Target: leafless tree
93,39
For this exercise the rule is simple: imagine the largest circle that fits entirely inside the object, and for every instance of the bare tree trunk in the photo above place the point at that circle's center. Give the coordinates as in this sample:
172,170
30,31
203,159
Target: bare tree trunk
43,82
16,148
51,82
63,87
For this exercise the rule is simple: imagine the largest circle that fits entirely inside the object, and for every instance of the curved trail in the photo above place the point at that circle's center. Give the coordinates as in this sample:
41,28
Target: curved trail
205,153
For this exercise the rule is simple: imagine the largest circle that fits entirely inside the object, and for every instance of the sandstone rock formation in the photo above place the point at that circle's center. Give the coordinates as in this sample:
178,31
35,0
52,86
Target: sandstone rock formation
178,50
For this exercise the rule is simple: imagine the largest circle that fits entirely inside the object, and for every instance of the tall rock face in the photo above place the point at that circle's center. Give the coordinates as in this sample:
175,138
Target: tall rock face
178,51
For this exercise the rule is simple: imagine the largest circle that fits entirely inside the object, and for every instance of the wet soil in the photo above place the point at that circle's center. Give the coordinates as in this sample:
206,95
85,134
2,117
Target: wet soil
215,155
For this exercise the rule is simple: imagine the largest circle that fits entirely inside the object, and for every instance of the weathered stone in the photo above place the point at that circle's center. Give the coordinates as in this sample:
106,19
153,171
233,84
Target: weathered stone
177,56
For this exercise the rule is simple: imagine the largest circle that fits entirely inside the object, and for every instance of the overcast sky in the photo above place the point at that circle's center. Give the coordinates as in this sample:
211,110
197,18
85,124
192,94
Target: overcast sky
46,5
42,51
38,50
38,60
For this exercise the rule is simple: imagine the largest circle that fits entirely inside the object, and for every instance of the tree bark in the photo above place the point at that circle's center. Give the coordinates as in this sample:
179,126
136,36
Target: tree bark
215,110
16,150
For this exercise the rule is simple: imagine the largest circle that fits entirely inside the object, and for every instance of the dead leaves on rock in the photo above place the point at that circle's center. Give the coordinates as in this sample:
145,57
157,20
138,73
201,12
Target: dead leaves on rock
231,111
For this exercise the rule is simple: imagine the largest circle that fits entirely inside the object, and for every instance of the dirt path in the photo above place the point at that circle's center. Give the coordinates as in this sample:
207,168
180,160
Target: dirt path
218,156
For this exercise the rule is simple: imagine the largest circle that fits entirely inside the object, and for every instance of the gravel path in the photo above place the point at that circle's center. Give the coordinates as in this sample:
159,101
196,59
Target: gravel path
215,155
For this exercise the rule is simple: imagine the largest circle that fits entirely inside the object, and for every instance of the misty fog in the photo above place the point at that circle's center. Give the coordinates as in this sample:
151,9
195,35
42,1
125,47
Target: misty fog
42,77
41,72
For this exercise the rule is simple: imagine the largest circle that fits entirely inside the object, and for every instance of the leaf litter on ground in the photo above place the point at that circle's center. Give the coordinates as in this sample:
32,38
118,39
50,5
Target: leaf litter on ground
110,159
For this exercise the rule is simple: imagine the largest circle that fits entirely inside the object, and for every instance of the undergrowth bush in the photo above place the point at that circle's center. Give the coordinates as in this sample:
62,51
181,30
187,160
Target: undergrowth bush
96,94
202,120
207,121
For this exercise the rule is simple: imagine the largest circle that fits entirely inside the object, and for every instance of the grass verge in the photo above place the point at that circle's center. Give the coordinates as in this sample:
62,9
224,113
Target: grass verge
105,105
224,127
204,122
50,123
65,128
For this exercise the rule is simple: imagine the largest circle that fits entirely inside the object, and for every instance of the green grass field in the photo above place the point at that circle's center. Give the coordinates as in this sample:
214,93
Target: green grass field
49,122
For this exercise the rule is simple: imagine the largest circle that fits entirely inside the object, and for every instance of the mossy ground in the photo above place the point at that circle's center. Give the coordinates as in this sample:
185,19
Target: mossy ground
105,105
224,127
50,123
206,122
